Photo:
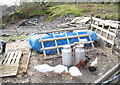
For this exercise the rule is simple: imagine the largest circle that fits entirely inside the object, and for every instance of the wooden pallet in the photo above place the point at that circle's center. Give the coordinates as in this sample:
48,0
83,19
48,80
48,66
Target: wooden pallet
9,63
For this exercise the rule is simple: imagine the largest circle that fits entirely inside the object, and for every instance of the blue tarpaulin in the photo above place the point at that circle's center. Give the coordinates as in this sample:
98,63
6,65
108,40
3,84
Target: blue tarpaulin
34,40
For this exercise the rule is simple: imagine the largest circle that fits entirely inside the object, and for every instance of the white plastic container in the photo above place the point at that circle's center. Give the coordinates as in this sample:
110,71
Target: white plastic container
79,53
67,55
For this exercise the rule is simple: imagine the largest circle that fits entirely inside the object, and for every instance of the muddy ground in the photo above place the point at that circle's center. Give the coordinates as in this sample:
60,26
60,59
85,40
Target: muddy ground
105,61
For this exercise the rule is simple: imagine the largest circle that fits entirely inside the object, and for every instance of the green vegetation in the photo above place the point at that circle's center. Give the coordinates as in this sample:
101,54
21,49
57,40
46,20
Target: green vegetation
107,16
58,11
14,37
31,10
104,11
55,10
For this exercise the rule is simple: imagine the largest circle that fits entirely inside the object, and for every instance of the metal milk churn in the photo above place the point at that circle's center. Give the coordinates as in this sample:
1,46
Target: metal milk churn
79,53
67,55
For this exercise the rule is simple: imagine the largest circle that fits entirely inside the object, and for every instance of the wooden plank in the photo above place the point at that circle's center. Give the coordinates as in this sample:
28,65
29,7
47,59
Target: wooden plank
6,58
114,25
18,57
108,30
14,58
84,20
109,41
92,42
67,38
104,30
28,59
56,44
56,56
60,38
77,35
10,58
2,58
42,45
8,70
96,28
49,48
62,30
73,25
108,74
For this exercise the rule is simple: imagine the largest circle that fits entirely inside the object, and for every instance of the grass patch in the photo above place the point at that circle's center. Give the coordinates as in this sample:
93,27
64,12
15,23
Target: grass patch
59,11
36,13
108,11
108,16
14,37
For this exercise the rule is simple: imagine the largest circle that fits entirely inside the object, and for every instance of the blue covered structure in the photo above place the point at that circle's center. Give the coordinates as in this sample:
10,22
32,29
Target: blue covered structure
36,45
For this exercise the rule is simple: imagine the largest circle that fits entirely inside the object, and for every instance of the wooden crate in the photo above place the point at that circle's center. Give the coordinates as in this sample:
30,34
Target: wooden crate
9,63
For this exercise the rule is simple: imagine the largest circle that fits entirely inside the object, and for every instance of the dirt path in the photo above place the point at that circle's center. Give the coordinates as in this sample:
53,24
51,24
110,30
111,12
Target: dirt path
33,76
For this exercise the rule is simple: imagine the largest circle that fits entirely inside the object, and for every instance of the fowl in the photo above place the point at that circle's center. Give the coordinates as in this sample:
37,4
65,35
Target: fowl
74,72
83,62
93,67
94,63
44,68
60,69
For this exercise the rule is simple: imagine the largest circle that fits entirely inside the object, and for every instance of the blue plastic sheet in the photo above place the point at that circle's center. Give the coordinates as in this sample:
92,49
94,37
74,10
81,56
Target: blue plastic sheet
36,45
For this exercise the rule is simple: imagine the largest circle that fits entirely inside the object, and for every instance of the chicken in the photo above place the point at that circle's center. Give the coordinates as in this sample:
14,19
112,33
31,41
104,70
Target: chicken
60,69
44,68
93,67
94,63
83,62
74,72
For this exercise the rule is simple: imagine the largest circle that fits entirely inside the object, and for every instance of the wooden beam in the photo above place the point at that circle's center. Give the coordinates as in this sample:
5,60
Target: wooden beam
114,25
56,43
61,38
108,74
61,30
58,56
49,48
103,38
104,30
30,53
